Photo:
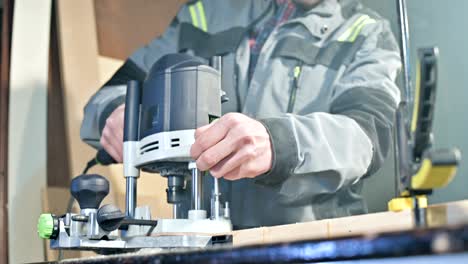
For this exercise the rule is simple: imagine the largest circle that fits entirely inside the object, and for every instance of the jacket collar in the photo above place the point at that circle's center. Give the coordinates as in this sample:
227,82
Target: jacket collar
326,8
321,20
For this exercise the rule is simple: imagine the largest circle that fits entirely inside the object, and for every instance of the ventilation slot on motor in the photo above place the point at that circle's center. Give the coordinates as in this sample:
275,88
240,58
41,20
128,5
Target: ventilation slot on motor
150,144
149,150
175,142
150,147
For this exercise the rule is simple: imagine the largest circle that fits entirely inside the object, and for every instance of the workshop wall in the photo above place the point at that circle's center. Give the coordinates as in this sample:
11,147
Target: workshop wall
434,22
131,23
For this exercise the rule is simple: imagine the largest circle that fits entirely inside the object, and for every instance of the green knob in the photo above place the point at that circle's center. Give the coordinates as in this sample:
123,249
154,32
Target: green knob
47,226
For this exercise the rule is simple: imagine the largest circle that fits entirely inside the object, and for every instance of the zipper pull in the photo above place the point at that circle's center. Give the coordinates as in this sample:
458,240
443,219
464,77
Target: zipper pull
297,74
292,96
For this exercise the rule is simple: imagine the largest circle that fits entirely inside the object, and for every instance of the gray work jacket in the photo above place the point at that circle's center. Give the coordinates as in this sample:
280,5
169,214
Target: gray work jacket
323,87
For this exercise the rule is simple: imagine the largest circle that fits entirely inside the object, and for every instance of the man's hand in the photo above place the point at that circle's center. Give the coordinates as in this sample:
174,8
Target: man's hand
234,147
112,134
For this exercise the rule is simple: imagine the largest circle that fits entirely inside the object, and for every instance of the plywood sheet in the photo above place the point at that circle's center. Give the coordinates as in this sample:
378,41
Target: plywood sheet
123,26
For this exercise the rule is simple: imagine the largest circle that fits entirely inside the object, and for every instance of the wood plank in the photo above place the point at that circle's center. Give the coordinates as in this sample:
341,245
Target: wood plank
298,231
5,42
58,169
448,214
370,224
453,213
27,147
281,233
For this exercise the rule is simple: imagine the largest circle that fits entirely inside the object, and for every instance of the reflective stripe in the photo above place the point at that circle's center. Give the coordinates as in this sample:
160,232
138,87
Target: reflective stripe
201,11
193,14
197,12
292,98
352,33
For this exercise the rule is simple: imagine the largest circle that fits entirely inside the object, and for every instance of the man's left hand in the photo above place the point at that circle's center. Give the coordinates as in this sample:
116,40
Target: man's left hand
233,147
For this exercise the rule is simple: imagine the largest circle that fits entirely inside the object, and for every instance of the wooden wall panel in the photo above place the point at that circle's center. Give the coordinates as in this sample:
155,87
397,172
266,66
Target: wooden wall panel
58,168
27,145
78,51
5,44
123,26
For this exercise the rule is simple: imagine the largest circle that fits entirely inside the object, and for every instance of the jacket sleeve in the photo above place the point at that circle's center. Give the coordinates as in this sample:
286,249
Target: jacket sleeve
318,153
112,94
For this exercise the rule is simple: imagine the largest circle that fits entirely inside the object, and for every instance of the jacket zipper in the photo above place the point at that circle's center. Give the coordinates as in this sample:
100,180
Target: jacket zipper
292,97
236,67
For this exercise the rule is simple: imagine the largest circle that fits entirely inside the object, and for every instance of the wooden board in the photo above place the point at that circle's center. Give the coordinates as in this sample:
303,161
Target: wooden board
5,44
448,214
58,169
27,146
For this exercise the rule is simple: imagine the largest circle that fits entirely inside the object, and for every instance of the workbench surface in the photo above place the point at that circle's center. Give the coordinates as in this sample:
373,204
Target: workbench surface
417,246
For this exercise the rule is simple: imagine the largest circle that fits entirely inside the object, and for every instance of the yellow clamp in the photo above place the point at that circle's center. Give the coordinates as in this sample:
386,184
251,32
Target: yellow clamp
432,176
404,203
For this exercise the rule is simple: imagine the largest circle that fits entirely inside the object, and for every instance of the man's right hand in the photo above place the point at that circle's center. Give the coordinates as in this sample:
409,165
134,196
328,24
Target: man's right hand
112,134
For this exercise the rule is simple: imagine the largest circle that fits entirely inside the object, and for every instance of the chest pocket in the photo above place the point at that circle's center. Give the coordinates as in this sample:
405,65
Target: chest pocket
315,70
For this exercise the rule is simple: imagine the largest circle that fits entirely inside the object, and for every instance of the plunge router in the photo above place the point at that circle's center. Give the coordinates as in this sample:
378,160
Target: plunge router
180,94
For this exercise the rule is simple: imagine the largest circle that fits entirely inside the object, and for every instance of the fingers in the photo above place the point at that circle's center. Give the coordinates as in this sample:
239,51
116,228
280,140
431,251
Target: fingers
234,174
215,154
117,143
111,149
231,162
112,134
112,144
207,137
247,169
234,147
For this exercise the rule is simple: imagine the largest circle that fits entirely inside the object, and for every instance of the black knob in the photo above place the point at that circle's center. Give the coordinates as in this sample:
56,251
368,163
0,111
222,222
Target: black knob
109,217
89,190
